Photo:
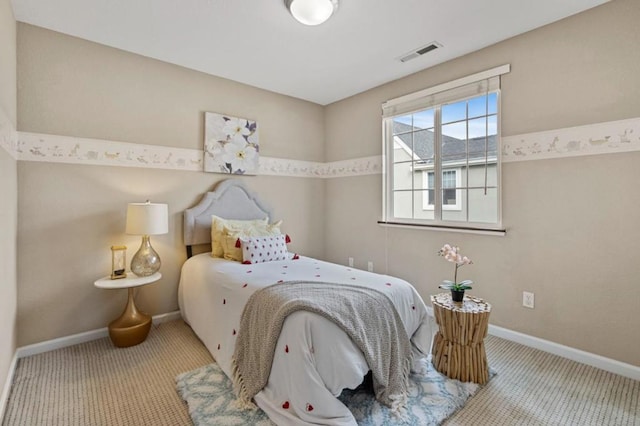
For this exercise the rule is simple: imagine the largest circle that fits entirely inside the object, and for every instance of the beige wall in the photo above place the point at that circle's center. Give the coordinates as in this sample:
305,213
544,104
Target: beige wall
8,61
8,194
572,223
71,214
72,87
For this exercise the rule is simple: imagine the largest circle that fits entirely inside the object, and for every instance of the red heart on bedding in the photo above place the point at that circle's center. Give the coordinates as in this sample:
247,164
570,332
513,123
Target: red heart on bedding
285,405
309,407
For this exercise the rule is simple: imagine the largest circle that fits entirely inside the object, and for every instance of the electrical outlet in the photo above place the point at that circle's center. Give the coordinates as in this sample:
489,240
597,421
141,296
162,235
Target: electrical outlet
528,299
351,262
370,266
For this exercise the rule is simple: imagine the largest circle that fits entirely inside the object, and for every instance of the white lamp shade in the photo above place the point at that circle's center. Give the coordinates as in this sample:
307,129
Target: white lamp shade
312,12
147,219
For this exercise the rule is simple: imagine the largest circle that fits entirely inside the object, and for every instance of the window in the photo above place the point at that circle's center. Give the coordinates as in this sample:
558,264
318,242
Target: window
451,195
442,163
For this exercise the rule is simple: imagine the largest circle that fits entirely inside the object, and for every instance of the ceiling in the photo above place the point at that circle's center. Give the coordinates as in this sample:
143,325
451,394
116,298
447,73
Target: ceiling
257,42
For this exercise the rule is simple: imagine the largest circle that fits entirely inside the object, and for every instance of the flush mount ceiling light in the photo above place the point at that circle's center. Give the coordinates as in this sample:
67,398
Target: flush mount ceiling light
311,12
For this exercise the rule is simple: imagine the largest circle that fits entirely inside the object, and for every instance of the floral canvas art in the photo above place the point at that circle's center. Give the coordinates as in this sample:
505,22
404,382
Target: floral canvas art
230,144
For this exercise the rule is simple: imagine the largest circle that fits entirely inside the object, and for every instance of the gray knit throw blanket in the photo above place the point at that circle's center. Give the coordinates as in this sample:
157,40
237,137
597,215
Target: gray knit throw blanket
367,316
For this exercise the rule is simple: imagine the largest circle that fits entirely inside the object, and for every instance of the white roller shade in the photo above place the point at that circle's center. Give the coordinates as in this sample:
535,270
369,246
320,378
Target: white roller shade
465,87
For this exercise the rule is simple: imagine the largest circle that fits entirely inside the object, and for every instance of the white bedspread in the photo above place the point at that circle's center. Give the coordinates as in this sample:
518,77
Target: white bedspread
314,359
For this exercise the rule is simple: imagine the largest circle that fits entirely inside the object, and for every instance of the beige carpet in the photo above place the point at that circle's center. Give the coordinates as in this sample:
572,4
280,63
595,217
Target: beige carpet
97,384
536,388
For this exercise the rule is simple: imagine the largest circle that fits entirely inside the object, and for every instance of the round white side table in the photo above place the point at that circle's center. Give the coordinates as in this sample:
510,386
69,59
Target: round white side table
132,327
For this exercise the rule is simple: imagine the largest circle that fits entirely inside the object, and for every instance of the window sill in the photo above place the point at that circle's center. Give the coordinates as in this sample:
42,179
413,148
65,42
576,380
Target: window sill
445,228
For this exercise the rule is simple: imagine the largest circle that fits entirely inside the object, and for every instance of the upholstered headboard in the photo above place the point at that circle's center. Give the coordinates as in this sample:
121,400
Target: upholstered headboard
230,199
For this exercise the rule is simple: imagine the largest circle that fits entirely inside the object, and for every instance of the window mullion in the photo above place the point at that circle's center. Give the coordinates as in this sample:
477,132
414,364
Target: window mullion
467,171
388,172
413,169
486,143
437,165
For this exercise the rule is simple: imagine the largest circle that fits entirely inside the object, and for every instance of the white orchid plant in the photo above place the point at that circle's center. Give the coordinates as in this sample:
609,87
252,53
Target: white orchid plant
452,254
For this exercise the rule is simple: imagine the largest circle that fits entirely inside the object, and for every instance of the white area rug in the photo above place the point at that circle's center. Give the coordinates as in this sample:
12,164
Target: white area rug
432,398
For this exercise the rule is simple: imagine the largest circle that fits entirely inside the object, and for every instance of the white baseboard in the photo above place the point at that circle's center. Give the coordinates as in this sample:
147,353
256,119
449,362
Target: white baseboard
588,358
169,316
4,398
598,361
87,336
61,342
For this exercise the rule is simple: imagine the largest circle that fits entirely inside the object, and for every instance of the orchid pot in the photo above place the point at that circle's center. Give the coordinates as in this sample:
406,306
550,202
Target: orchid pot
457,296
452,254
457,289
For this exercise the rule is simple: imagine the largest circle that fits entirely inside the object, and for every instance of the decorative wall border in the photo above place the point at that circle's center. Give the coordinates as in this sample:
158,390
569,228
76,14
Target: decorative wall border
72,150
602,138
68,149
8,135
356,167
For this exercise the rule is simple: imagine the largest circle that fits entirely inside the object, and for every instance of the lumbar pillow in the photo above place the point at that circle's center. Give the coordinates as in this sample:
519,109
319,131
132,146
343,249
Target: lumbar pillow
264,249
232,251
217,230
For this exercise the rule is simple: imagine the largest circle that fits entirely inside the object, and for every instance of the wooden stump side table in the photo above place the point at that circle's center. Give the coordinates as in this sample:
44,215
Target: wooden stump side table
132,327
458,349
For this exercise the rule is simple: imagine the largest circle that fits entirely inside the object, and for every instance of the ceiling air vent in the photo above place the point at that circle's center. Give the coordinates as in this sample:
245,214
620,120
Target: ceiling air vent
420,51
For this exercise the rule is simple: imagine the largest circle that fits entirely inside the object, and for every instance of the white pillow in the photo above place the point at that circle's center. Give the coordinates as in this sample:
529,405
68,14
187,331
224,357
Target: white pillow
230,247
217,229
264,249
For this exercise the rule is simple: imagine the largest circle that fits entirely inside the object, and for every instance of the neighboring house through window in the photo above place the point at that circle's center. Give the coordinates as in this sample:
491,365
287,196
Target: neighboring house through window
442,162
450,193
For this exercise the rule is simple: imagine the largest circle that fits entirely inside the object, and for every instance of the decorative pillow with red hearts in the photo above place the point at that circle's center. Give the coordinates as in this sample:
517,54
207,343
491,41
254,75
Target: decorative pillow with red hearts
231,245
264,249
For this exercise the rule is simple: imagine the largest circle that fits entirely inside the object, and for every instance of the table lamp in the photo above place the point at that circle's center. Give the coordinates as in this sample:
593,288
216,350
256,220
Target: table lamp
146,219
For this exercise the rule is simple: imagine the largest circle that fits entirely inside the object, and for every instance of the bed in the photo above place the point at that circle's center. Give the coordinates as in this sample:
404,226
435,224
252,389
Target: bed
314,359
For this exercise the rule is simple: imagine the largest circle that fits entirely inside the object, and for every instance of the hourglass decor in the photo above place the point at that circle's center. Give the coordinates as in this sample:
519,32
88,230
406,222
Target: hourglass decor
118,262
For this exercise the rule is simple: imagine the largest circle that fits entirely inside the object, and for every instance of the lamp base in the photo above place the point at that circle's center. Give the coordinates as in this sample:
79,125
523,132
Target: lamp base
146,261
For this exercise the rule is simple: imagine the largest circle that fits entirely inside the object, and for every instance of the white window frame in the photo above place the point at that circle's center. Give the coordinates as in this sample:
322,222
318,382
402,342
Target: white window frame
457,90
